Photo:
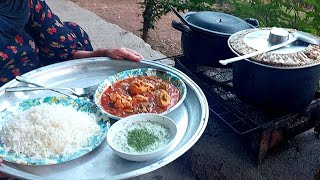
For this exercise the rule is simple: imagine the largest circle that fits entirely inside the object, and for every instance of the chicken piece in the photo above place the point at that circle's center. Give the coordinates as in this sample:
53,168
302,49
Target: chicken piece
139,98
140,103
140,87
163,99
128,110
164,86
120,101
149,86
113,97
143,108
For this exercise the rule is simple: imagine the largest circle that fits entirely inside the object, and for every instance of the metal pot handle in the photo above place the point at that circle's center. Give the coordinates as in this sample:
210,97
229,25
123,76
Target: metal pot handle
252,22
180,27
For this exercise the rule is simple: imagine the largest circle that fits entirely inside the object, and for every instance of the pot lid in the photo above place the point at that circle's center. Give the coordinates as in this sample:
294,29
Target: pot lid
296,54
216,22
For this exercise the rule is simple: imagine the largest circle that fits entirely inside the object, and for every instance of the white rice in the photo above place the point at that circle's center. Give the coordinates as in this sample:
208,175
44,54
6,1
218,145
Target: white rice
48,130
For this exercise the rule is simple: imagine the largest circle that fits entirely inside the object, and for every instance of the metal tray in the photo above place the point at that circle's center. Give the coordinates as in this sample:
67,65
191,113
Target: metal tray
191,118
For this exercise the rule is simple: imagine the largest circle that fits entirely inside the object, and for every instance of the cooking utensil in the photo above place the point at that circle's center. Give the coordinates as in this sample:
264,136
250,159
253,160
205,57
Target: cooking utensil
277,89
277,36
79,92
298,35
178,15
205,34
30,81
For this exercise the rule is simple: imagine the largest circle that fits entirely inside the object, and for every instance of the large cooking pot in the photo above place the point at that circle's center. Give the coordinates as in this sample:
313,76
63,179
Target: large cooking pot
277,89
205,35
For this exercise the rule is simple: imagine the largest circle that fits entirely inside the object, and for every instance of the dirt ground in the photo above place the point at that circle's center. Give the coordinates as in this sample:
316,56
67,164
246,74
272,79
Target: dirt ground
128,15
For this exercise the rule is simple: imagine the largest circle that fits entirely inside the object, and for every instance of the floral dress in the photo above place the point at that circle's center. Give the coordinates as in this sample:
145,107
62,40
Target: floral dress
43,41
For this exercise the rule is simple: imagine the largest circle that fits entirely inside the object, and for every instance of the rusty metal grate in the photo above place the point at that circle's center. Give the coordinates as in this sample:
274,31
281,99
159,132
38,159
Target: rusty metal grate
241,117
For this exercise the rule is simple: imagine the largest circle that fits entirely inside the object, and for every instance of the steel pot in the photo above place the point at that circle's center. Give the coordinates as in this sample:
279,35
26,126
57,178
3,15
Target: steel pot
205,35
274,88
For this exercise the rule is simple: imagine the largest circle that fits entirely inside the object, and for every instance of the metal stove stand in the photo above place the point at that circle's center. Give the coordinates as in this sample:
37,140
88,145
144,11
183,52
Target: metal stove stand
265,130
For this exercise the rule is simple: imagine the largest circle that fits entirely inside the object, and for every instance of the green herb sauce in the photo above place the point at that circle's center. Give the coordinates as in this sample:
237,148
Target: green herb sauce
140,139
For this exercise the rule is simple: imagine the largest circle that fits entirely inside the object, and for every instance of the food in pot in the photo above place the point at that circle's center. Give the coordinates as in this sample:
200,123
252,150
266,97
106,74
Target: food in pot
306,55
283,81
141,94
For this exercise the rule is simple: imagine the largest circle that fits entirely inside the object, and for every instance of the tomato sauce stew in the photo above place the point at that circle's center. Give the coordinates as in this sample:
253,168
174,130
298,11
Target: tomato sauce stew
141,94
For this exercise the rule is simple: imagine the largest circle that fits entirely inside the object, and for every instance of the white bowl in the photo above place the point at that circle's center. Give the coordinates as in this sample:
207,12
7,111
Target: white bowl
130,121
166,75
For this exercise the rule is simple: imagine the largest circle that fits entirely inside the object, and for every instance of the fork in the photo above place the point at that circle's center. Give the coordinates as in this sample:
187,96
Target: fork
79,92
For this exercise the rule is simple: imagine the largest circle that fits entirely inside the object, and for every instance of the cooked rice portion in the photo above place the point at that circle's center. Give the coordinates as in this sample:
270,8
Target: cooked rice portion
309,56
48,130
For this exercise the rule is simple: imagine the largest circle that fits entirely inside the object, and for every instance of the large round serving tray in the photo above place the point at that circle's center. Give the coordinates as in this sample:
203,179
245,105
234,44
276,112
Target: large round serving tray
102,163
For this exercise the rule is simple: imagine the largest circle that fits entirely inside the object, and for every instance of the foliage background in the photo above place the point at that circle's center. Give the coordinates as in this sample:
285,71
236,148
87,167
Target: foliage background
303,15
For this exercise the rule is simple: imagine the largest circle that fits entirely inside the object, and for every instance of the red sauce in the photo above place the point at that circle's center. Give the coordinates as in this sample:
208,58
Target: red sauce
140,94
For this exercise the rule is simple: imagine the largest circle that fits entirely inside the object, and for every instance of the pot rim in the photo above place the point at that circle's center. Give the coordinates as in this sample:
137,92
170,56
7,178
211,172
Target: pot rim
271,66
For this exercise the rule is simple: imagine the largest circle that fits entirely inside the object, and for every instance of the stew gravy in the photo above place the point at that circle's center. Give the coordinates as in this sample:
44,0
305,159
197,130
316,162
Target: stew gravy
141,94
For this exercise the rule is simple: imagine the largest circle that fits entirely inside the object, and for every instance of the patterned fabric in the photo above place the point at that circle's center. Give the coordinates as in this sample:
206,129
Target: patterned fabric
43,41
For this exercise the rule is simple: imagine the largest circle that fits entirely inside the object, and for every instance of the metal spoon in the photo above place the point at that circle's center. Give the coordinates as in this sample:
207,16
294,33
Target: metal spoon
277,36
80,92
30,81
298,35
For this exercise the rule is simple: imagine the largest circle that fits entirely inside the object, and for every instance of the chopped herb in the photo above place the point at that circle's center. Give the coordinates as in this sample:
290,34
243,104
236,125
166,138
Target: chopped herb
140,139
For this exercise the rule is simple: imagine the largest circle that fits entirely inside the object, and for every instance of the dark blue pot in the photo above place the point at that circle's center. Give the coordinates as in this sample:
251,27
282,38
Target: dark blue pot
204,40
275,89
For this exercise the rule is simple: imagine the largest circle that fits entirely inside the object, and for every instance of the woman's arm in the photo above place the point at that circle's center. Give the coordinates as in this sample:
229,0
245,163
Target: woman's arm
58,43
120,53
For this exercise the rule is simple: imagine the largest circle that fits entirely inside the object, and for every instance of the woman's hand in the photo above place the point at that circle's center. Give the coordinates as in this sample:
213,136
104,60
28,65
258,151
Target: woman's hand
119,53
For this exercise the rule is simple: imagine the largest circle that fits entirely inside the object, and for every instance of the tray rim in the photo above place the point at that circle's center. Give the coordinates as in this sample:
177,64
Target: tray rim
161,163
